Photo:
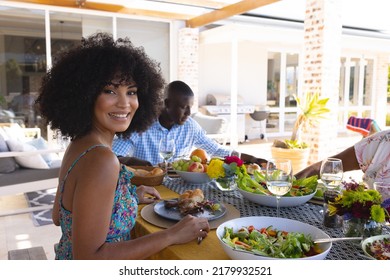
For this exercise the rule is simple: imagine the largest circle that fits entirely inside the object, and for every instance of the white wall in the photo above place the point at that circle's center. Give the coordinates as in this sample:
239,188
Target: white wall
215,74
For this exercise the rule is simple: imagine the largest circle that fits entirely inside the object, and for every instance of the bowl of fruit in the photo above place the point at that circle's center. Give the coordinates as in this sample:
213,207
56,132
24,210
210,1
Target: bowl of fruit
193,170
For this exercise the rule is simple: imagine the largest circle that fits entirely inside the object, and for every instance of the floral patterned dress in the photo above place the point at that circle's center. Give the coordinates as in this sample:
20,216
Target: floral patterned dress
373,155
124,212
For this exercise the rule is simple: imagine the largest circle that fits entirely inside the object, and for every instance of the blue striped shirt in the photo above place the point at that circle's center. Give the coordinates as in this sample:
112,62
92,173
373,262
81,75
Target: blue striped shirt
187,137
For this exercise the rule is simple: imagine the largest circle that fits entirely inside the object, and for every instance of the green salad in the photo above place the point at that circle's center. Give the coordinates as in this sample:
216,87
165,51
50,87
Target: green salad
270,242
300,187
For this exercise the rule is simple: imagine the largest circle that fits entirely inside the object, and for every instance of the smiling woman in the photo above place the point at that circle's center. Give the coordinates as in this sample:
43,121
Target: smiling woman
104,87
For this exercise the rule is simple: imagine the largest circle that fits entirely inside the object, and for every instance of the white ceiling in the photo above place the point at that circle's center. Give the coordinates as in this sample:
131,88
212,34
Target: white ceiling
364,14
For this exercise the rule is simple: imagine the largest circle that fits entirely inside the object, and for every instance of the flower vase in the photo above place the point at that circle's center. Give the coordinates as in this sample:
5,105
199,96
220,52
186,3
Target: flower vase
355,227
226,183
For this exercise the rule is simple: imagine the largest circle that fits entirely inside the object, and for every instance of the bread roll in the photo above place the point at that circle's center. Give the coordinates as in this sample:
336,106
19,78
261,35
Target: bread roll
141,172
130,168
157,171
197,195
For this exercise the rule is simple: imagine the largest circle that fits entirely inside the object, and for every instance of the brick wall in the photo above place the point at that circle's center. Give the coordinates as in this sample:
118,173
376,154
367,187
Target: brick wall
380,88
321,69
188,56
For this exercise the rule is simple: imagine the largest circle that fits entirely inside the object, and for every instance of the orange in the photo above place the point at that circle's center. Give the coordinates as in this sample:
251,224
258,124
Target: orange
200,153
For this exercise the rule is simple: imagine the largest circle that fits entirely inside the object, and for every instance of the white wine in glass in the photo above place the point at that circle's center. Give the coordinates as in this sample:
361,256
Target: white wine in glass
279,178
331,174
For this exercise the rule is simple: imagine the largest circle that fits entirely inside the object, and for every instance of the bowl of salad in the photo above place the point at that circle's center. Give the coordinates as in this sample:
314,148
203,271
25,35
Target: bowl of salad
267,238
301,192
377,247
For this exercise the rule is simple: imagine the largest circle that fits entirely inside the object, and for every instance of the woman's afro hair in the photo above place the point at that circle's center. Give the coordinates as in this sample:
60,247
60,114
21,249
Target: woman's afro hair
69,90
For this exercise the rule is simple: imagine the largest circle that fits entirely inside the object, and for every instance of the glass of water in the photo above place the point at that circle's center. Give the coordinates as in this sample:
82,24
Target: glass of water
166,151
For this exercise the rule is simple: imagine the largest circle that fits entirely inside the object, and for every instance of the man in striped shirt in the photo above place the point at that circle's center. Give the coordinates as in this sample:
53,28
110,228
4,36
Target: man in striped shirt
174,123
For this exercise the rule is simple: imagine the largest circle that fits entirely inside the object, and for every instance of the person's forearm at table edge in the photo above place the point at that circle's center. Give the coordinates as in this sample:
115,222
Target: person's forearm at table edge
136,161
251,159
348,157
133,161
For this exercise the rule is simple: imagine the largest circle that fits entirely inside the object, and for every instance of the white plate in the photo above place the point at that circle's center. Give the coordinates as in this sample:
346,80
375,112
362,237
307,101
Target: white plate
371,239
270,200
174,214
277,223
194,177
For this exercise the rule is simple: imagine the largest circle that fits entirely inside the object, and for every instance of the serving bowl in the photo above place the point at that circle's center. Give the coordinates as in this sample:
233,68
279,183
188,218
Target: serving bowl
270,200
194,177
366,242
277,223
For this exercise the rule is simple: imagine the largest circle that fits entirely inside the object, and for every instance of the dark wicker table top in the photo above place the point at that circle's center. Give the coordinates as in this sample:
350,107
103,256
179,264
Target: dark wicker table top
310,213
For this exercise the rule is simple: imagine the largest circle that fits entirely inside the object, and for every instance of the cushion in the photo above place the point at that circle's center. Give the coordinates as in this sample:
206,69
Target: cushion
15,131
3,134
41,144
7,165
33,161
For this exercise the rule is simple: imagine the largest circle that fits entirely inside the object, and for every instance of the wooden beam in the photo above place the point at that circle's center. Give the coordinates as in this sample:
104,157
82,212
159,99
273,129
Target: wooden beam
153,13
110,8
227,11
72,4
213,4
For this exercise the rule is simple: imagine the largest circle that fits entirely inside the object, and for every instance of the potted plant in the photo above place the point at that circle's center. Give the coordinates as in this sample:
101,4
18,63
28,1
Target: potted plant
312,108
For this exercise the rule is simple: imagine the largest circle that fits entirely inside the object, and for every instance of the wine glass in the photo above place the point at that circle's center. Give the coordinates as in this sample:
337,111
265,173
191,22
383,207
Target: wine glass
166,151
331,174
279,178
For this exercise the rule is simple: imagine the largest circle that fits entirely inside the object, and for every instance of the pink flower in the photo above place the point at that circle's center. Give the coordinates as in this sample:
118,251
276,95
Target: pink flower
231,159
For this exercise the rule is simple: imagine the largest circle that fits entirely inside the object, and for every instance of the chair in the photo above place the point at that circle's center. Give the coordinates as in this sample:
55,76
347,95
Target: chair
214,126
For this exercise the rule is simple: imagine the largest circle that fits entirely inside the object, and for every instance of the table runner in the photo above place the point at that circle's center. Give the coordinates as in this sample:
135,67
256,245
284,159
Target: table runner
308,213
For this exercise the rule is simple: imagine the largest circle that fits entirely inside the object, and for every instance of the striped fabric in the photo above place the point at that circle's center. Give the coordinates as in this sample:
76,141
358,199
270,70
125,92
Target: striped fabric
361,125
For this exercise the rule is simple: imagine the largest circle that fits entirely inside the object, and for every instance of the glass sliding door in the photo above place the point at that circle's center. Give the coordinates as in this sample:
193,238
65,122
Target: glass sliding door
22,63
282,86
356,89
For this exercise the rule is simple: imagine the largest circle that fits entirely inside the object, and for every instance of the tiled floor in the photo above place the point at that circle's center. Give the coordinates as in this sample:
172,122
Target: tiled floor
18,231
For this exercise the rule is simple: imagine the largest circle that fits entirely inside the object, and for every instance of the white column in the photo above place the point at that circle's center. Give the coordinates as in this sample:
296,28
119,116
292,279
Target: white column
321,69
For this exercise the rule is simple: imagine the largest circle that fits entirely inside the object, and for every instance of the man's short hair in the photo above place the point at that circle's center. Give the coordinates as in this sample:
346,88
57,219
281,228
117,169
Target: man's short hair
178,88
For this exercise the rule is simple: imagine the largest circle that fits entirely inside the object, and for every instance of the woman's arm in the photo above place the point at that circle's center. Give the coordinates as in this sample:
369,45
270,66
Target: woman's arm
348,157
56,209
92,209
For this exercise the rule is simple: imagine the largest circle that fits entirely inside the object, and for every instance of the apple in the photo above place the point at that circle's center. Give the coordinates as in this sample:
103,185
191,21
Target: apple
196,167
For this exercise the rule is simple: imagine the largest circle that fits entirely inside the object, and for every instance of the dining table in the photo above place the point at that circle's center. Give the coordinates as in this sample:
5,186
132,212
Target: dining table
210,248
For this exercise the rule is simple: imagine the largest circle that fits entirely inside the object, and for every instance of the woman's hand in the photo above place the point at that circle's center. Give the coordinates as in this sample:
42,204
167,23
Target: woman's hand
147,194
188,229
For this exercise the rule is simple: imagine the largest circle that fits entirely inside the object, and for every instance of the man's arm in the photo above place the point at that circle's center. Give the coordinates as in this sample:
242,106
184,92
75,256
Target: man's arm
133,161
251,159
